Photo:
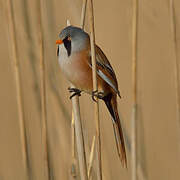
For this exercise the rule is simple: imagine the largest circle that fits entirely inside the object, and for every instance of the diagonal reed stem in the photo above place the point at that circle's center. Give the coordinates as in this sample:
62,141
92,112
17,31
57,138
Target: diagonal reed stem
134,81
83,14
91,157
12,35
43,96
95,88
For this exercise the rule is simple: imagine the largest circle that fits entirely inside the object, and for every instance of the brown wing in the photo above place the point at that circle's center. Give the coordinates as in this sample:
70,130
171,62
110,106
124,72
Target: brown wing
105,70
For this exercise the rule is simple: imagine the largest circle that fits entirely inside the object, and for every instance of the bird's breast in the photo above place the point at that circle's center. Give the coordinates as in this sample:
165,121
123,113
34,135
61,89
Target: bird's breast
76,68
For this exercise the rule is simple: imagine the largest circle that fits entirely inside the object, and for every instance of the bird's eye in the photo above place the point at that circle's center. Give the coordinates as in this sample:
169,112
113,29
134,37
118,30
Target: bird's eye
67,38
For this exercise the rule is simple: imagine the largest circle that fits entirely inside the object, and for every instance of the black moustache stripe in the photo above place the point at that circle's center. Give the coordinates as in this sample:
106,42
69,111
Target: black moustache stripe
67,45
58,51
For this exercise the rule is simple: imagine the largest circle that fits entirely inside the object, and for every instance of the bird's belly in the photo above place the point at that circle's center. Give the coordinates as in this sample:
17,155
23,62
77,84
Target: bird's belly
77,72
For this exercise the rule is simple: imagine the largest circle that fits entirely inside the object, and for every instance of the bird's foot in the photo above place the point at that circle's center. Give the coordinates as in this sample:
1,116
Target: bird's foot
75,92
97,94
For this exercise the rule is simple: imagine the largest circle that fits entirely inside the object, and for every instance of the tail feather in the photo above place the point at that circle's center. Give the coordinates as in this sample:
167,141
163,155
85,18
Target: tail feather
111,104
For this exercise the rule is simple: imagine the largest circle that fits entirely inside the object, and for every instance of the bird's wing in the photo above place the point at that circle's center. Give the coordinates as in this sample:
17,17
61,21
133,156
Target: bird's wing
105,70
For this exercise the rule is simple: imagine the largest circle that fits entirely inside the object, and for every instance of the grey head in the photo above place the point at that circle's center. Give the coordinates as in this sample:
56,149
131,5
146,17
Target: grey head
74,39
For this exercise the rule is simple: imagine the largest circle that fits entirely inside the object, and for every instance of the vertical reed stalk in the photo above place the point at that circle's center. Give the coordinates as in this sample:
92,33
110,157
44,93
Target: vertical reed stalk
73,170
13,43
43,96
73,136
95,88
79,134
83,13
176,66
134,81
73,167
79,138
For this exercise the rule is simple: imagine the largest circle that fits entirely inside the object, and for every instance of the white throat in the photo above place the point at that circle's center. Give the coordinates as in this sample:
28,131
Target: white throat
62,52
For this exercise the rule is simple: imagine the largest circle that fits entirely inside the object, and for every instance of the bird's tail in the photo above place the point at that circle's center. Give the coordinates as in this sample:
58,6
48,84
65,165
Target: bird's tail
111,103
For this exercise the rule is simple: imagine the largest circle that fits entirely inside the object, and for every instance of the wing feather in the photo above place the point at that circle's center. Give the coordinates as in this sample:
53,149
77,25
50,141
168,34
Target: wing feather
105,70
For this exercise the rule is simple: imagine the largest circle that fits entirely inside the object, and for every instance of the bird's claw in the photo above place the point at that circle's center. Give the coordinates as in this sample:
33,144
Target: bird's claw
97,94
75,92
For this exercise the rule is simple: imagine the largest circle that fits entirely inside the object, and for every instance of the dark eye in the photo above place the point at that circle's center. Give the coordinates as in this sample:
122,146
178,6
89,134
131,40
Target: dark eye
67,44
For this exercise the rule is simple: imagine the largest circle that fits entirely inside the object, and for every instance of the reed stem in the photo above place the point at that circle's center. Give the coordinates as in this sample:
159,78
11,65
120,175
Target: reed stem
176,65
78,125
19,97
79,138
91,157
73,136
134,81
73,166
95,88
43,95
83,13
76,117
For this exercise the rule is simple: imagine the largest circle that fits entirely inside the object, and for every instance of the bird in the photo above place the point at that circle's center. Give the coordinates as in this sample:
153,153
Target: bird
74,56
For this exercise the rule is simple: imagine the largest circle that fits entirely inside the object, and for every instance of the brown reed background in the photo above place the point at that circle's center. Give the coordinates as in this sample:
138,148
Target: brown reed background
158,128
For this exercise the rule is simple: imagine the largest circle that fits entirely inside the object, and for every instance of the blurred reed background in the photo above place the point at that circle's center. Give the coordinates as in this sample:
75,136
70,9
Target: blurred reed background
36,28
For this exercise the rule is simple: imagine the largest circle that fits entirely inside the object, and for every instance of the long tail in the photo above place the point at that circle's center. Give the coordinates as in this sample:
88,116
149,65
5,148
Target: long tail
111,103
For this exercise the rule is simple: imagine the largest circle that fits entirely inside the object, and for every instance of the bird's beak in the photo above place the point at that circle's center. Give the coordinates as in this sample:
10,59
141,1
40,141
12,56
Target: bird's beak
59,41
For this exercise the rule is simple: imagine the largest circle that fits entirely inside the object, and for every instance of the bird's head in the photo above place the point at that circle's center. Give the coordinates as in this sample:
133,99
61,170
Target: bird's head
74,39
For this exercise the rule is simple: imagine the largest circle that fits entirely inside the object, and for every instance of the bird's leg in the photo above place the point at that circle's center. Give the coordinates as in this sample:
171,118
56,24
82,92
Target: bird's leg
75,92
97,94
